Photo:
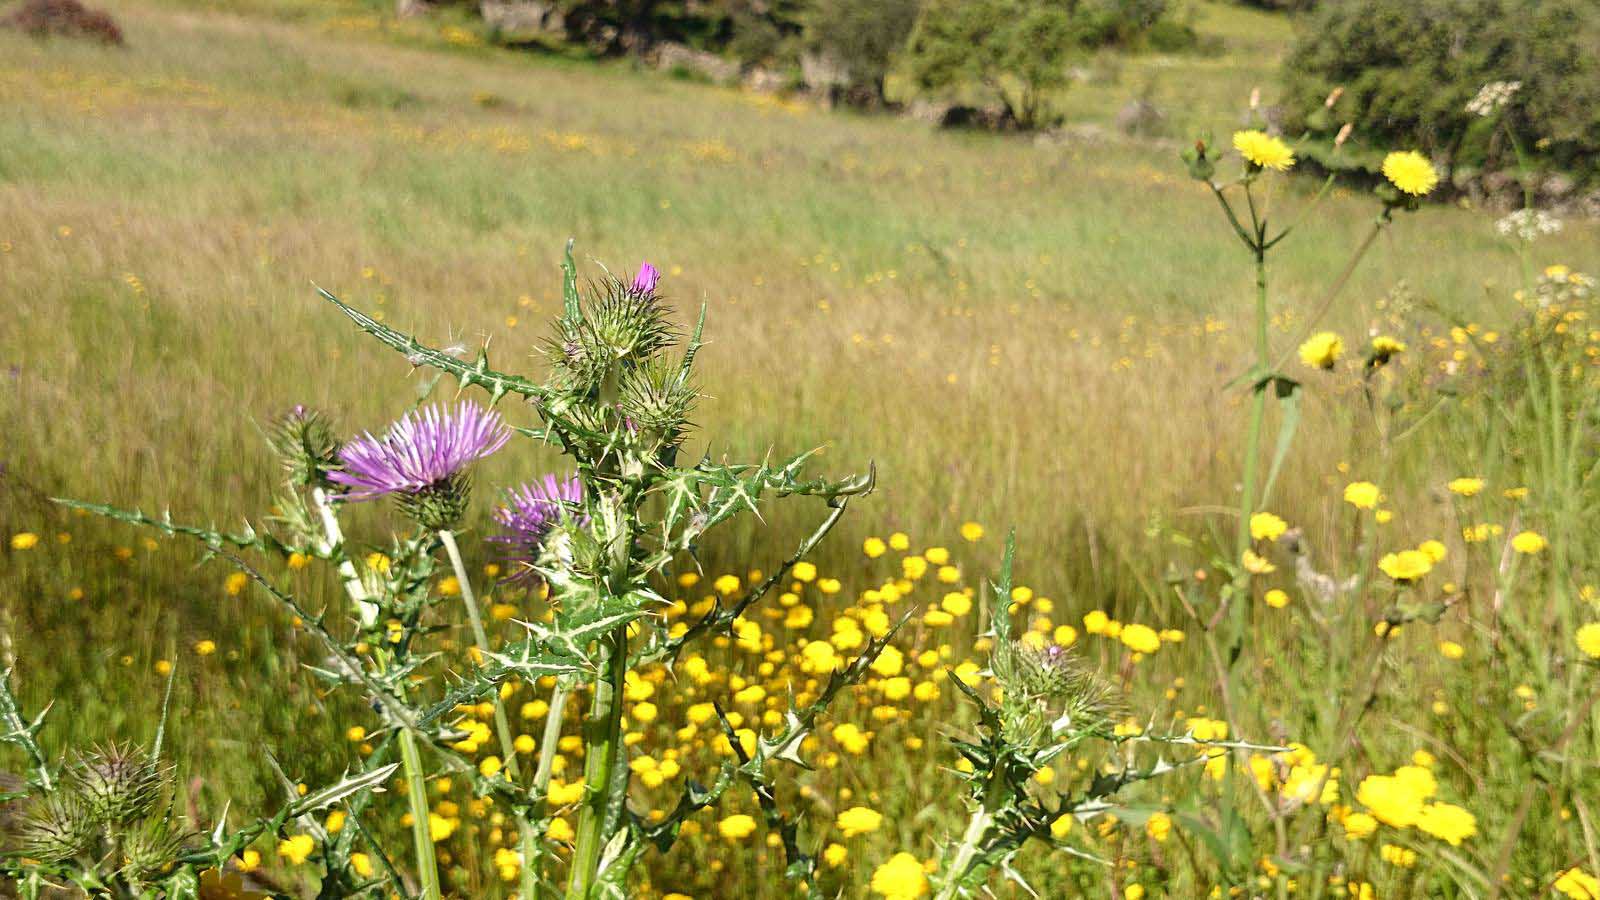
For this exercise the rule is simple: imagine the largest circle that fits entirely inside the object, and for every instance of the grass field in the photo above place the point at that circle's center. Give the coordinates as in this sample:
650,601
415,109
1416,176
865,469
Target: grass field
1019,335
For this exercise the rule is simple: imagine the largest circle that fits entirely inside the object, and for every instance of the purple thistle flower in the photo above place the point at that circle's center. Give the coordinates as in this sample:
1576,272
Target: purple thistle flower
645,281
532,510
424,449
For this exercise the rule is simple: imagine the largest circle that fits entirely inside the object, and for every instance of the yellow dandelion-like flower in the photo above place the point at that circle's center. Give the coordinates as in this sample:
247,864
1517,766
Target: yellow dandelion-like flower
1362,494
1447,822
1407,565
1465,486
736,827
1588,638
24,540
1411,172
859,820
1256,564
1265,526
1529,542
1263,151
1322,350
901,878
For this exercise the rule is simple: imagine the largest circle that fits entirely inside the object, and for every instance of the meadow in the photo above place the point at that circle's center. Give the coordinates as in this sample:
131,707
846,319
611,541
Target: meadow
1024,335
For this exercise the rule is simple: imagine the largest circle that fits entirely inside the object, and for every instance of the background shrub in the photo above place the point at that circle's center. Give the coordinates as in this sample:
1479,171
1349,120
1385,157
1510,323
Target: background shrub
1409,67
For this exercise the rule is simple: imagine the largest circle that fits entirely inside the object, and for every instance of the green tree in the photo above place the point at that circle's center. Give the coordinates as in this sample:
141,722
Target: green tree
1017,50
864,36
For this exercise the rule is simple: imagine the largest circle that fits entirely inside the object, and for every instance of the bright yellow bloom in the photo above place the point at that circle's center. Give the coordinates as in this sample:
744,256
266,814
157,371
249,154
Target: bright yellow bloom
971,531
1256,564
1392,800
851,738
901,878
1578,884
205,648
1322,350
1061,827
1451,650
235,583
956,603
1158,827
24,540
1265,526
1407,565
1263,151
858,820
1448,823
1095,621
1465,486
1140,638
1529,542
1434,550
1276,599
1362,494
297,849
736,827
1411,172
1385,346
804,571
835,855
1589,639
1358,826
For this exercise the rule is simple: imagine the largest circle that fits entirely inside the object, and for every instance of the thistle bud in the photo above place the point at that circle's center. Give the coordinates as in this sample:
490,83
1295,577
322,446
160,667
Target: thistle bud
151,850
57,827
119,783
1045,690
656,401
306,445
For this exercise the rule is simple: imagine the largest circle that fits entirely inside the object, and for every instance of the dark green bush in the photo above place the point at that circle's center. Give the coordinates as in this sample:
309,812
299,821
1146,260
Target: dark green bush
1019,50
1409,68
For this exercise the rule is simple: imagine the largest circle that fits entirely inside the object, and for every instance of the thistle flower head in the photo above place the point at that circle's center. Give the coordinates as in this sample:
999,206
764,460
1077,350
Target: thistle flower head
118,783
531,511
624,324
305,444
56,827
422,460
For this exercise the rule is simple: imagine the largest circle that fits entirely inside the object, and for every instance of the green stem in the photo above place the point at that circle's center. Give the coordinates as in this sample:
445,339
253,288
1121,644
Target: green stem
421,831
502,726
977,827
603,741
1247,497
532,886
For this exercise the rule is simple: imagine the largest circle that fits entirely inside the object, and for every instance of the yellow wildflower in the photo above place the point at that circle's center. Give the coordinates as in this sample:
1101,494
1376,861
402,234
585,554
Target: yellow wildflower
1263,151
1411,172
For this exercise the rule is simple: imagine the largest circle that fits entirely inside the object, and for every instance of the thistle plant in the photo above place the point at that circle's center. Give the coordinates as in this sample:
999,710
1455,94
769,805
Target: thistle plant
102,821
1039,704
589,555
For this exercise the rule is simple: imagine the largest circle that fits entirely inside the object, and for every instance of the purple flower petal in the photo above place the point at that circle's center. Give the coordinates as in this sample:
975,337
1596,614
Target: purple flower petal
422,449
532,510
645,281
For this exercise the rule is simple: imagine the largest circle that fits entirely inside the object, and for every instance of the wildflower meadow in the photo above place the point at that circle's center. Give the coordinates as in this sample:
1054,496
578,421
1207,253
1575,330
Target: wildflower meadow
436,468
